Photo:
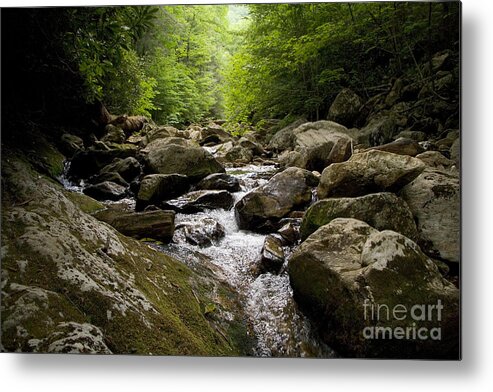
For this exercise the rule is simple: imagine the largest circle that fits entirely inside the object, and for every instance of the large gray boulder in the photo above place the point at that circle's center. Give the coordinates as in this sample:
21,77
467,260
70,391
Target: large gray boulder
367,290
369,172
194,162
283,139
272,201
156,188
434,200
382,211
346,108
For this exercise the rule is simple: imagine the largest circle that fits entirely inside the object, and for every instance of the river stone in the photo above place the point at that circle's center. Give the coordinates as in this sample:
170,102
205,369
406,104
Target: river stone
284,139
159,225
70,144
219,181
413,135
381,128
129,168
113,134
155,188
106,191
272,255
290,233
197,201
194,162
383,211
368,172
275,199
435,160
434,200
401,146
86,163
160,133
346,108
71,282
203,231
346,264
109,176
238,154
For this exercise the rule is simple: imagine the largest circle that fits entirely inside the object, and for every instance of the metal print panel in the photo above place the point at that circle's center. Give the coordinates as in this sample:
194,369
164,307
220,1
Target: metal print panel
267,180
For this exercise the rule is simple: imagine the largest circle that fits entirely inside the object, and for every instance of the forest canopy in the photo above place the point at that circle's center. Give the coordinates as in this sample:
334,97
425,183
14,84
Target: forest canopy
183,64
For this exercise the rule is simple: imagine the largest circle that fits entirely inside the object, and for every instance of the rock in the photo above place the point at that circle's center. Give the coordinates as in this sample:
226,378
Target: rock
284,139
219,181
89,162
130,124
238,154
395,93
381,128
203,231
401,146
109,176
272,256
106,191
434,200
254,147
156,188
159,225
383,211
347,275
161,133
317,145
197,201
113,134
455,152
129,168
71,283
194,162
275,199
70,144
435,159
368,172
290,233
346,108
417,136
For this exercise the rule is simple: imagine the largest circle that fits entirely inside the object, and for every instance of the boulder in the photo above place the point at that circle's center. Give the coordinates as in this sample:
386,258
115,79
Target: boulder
284,139
434,200
272,255
455,152
413,135
290,233
383,211
106,191
368,290
159,225
194,162
368,172
155,188
109,176
203,231
219,181
129,168
381,128
113,134
197,201
274,200
160,133
238,154
401,146
435,159
395,93
346,108
70,144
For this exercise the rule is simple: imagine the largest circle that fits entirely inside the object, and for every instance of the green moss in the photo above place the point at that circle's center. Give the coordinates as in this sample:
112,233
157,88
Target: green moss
85,203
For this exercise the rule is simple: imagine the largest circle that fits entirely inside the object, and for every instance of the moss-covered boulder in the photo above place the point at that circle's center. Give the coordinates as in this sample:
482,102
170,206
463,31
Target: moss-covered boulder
71,283
369,172
375,293
156,188
274,200
383,211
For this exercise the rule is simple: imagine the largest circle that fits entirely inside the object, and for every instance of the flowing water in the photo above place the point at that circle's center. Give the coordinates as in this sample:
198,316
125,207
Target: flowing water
279,328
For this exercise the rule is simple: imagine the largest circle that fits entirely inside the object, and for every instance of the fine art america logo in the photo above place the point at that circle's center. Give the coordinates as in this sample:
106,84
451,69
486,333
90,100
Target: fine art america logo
415,316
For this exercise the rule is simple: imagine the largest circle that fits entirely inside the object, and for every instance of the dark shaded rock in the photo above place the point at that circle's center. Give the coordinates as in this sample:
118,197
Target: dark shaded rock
155,188
290,233
197,201
106,191
381,128
159,225
346,108
275,199
70,144
369,172
129,168
109,176
203,231
413,135
383,211
347,267
219,181
89,162
113,134
272,256
434,200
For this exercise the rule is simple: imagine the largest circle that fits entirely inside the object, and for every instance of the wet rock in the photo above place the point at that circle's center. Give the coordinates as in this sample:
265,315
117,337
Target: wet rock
368,172
434,200
197,201
383,211
155,188
346,108
70,144
129,168
238,154
401,146
290,233
219,181
272,256
159,225
204,231
346,267
109,176
194,162
106,191
275,199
